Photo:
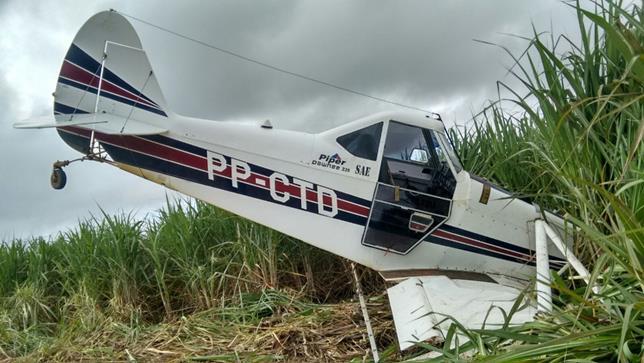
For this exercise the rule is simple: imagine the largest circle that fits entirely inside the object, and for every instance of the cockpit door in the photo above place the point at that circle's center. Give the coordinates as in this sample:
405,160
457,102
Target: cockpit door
414,191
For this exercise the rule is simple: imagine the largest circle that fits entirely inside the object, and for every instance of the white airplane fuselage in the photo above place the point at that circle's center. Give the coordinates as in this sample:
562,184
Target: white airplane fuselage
285,180
386,191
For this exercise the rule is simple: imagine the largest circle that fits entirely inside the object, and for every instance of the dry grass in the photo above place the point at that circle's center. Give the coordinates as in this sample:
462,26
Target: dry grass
293,332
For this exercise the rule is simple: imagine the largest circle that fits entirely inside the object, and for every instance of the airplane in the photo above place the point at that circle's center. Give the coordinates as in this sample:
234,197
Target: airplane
386,191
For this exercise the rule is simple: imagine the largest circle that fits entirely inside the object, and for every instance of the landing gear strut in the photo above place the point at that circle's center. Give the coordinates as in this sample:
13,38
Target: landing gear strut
93,153
58,177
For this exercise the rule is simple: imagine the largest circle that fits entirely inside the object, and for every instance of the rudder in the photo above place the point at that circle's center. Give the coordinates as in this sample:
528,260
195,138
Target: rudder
107,55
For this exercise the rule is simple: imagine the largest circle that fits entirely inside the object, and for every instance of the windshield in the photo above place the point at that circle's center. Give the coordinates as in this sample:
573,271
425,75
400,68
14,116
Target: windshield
456,162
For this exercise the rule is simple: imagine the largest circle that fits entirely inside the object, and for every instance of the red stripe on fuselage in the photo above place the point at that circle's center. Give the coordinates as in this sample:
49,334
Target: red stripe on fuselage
154,149
479,244
77,130
185,158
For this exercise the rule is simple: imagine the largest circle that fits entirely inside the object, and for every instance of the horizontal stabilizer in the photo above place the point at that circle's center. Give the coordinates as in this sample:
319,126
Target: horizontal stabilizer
420,306
102,122
45,122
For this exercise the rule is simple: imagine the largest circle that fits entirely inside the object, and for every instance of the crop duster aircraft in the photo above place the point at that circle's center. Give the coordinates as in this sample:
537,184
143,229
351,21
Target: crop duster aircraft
386,191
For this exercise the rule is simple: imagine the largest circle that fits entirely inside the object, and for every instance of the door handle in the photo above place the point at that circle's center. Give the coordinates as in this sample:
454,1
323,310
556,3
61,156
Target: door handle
420,222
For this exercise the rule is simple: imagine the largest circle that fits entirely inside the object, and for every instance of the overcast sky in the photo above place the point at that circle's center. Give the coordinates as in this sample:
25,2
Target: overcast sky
420,53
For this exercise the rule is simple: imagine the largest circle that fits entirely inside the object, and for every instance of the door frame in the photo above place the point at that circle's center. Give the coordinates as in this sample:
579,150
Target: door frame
430,231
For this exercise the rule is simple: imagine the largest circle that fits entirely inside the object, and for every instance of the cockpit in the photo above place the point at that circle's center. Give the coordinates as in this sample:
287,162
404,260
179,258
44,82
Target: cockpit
416,182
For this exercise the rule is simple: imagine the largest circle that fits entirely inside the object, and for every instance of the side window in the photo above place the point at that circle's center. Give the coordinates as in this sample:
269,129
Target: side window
363,143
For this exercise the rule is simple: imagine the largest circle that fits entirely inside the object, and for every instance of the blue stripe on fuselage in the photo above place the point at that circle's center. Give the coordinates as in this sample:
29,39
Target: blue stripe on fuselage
68,110
198,176
87,62
93,90
183,172
493,241
164,140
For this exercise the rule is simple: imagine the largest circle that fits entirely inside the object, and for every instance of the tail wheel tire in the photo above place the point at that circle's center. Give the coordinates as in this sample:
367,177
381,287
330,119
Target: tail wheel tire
58,178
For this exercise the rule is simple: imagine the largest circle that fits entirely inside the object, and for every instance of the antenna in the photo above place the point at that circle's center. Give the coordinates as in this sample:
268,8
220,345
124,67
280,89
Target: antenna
275,68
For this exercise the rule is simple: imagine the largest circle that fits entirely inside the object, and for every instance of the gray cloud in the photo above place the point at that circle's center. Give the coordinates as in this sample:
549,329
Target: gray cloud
416,52
423,55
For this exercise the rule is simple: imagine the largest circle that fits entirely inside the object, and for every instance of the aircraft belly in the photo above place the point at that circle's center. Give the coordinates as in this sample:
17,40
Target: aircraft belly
78,143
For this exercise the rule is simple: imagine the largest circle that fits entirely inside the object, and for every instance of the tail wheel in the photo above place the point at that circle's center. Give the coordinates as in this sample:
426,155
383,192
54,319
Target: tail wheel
58,178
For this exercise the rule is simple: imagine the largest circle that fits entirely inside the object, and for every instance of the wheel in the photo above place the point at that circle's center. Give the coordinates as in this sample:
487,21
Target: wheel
58,178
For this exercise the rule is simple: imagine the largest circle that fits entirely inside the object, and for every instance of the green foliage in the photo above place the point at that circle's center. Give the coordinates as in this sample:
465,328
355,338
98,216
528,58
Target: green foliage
575,145
190,258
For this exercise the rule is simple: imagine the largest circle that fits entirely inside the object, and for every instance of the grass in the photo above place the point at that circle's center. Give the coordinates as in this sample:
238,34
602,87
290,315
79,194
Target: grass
197,283
194,282
575,146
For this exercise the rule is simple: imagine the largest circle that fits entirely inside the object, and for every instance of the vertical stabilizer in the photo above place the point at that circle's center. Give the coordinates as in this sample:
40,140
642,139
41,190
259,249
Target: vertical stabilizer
106,70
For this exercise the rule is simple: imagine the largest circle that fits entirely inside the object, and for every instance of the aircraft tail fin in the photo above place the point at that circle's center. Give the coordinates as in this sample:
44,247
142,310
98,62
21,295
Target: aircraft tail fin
106,58
106,71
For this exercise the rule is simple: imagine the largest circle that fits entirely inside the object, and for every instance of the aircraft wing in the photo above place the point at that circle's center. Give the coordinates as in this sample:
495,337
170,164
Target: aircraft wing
422,307
101,122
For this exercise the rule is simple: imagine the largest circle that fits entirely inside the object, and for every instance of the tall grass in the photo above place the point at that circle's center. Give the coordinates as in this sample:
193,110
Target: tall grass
190,258
575,145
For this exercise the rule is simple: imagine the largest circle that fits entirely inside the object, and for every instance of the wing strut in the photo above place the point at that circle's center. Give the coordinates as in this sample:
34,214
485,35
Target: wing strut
543,232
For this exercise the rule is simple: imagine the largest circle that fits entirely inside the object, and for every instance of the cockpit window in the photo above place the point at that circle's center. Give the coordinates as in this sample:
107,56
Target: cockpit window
363,143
